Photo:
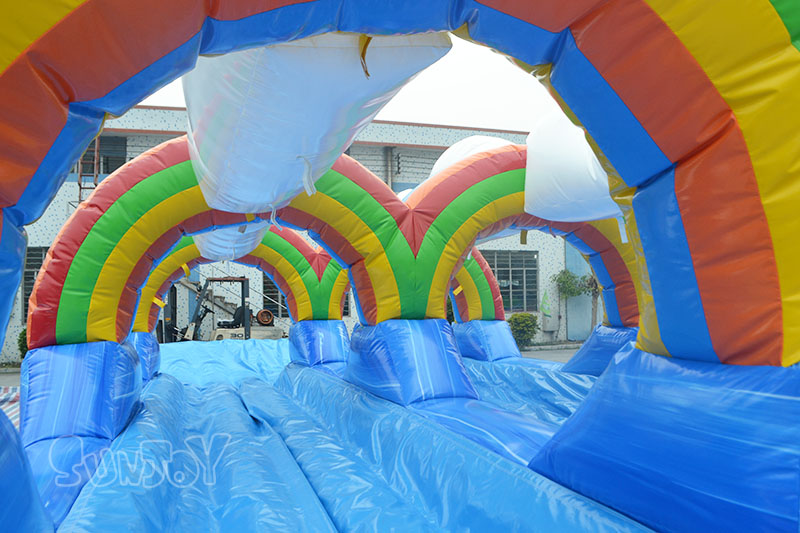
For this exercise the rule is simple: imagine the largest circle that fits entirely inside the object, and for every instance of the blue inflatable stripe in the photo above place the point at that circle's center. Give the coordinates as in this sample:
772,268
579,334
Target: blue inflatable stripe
617,131
681,317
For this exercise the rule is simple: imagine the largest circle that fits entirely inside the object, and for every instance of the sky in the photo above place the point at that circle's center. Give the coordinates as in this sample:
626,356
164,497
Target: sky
470,86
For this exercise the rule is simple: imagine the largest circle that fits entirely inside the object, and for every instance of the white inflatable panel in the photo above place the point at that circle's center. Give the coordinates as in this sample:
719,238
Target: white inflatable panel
466,148
231,242
265,123
564,181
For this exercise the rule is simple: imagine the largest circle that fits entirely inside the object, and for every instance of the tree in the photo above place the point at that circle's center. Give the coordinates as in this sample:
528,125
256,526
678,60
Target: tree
22,342
523,328
570,285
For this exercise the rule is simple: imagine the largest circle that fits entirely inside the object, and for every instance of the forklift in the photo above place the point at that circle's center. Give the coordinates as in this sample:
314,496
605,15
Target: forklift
237,328
241,317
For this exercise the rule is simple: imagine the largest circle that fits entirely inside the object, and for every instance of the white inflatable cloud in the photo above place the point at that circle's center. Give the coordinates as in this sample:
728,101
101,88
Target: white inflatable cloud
564,181
265,123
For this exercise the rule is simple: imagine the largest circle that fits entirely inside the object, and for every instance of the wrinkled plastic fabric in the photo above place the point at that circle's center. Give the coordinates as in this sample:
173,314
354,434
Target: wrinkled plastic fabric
227,244
74,399
21,509
315,342
456,483
564,181
465,148
61,468
511,435
684,445
406,361
149,352
194,460
13,243
485,340
87,389
201,364
241,105
312,453
528,388
594,355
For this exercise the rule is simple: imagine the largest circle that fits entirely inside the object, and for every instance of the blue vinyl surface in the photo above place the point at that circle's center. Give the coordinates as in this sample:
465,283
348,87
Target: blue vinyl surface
485,340
315,342
309,452
594,355
522,386
200,364
74,399
685,445
149,351
21,509
407,361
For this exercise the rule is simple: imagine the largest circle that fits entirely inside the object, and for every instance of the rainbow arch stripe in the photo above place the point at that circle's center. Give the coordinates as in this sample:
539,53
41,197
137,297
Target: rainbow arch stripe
88,288
476,294
672,91
314,285
402,256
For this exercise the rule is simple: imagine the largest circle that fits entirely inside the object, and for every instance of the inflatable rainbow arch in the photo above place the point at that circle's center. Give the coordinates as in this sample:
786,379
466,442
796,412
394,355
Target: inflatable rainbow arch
692,107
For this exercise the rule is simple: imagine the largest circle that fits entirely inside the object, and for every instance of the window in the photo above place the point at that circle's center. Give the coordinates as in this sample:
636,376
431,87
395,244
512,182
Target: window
517,274
346,308
33,262
112,153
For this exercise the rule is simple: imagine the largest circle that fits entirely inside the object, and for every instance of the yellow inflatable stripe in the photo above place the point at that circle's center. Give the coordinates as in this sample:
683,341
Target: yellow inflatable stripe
747,53
363,239
471,294
101,322
159,302
497,210
25,22
458,289
334,310
157,278
186,271
292,277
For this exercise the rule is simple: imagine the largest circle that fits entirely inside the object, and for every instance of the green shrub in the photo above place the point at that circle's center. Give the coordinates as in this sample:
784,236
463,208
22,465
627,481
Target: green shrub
523,327
22,342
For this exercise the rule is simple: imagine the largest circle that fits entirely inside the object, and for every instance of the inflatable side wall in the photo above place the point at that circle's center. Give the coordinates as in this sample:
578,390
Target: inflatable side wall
22,509
75,399
733,456
149,352
486,340
595,354
322,343
406,361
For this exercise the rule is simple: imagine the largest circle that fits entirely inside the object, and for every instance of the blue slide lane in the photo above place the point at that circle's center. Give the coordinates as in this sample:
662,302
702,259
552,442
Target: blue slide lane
226,439
546,395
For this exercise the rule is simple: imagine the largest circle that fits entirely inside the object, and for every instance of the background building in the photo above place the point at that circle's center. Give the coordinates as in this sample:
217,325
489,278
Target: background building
401,154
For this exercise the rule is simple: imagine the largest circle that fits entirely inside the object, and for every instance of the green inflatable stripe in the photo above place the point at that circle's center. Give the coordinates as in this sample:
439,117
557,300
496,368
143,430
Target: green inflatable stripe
322,294
484,290
295,258
374,215
789,12
451,219
76,296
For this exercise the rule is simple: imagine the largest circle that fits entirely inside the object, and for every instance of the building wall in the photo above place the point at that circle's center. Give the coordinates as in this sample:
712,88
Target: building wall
400,154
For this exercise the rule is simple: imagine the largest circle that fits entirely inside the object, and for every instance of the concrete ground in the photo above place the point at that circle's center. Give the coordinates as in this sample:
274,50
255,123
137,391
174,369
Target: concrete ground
10,379
561,356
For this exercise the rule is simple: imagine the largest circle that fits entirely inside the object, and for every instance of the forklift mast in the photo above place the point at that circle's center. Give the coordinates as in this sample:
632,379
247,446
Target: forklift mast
198,315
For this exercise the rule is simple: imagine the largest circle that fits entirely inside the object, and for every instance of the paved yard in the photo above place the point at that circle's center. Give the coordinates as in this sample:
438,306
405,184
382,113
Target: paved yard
561,356
9,379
